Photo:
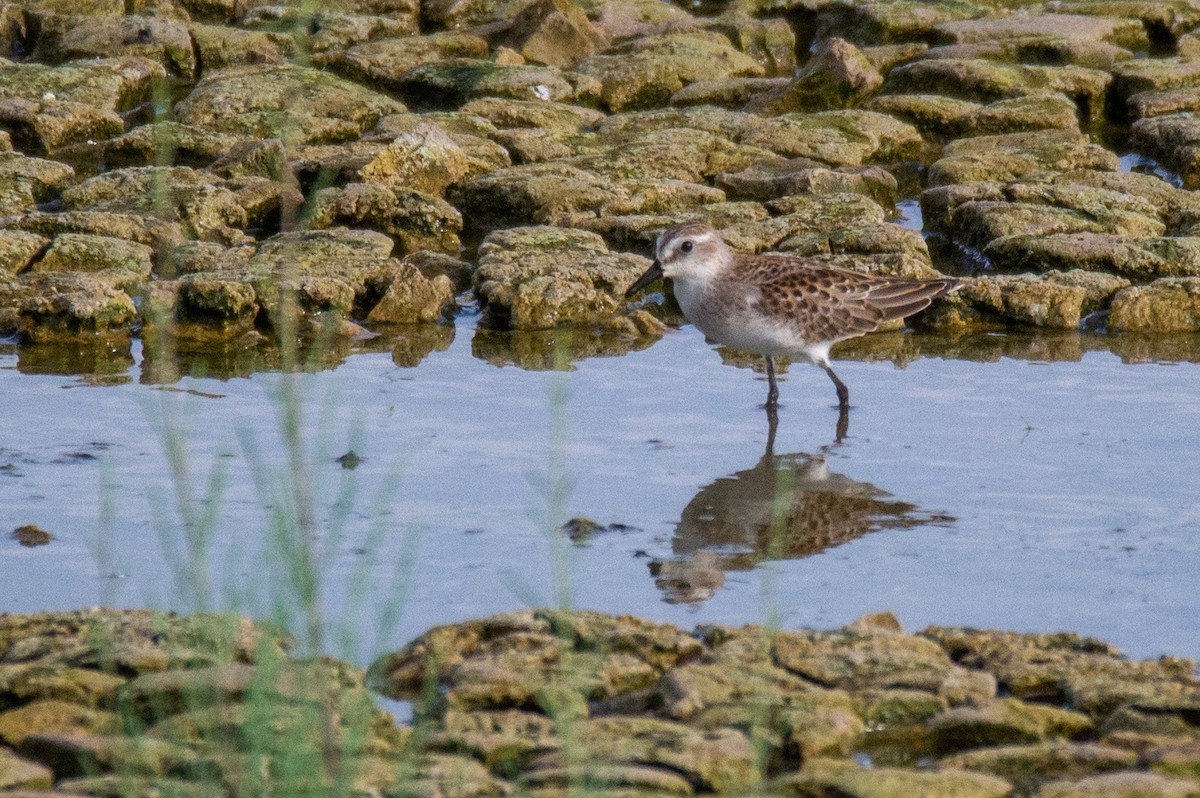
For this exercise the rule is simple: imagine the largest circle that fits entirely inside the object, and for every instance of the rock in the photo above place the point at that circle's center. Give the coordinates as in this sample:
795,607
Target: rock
1018,156
417,222
292,103
1049,51
1004,721
984,81
713,761
730,92
837,75
883,709
127,264
1028,765
1154,74
451,15
206,206
770,42
1137,258
881,23
1164,306
859,659
54,716
219,47
63,306
451,83
529,194
164,41
839,137
1064,668
720,122
24,682
820,777
946,118
335,30
656,781
20,774
1127,33
410,297
45,108
538,115
31,536
610,655
24,182
767,181
540,277
554,32
132,641
1174,139
74,755
18,249
1120,785
648,71
385,62
621,20
672,154
118,786
160,235
425,159
1179,759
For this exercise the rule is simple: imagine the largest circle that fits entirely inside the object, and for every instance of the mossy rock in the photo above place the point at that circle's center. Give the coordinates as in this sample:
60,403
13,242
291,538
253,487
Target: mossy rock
1026,766
45,107
385,62
1015,157
540,277
24,182
984,81
418,222
293,103
165,41
1165,306
646,72
839,137
823,777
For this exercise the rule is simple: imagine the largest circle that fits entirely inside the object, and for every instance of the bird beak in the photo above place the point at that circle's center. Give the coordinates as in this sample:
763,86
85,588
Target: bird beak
653,274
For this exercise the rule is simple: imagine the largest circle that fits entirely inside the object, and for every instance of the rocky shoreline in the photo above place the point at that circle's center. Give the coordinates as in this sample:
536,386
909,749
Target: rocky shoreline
218,173
541,702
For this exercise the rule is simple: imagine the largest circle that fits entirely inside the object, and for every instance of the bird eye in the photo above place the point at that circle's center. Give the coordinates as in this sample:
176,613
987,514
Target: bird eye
686,247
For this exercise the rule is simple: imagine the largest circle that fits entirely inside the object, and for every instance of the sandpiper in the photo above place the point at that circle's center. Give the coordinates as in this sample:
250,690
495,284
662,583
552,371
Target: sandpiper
779,304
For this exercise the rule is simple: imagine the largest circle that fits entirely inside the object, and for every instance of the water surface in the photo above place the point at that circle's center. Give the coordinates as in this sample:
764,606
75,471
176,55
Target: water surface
1033,483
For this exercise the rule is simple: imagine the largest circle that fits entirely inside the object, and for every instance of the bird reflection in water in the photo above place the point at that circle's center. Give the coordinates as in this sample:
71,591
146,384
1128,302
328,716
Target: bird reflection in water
785,507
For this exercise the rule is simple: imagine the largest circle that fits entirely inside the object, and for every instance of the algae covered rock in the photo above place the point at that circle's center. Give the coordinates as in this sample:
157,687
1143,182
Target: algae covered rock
540,277
820,777
837,75
1019,156
165,41
417,221
21,774
1164,306
839,137
648,71
1004,722
24,182
47,107
292,103
385,62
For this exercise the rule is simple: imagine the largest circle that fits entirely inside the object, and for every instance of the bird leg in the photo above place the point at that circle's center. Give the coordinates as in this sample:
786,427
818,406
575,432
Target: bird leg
843,393
772,426
772,389
843,425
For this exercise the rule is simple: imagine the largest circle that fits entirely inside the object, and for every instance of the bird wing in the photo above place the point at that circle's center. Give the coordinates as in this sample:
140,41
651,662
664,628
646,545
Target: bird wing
826,303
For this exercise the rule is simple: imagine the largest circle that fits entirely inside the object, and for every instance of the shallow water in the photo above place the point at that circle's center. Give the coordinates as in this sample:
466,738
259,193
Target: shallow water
1034,483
